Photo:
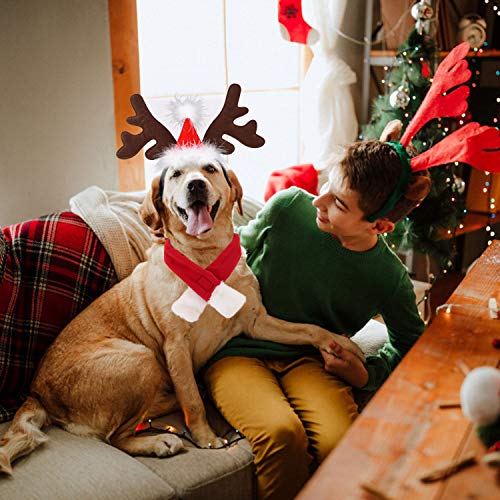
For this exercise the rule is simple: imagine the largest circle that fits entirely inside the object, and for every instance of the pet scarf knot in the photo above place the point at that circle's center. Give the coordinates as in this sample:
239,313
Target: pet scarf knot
206,286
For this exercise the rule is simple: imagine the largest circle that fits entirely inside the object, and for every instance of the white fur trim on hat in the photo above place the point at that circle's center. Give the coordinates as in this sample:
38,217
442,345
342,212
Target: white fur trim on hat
178,157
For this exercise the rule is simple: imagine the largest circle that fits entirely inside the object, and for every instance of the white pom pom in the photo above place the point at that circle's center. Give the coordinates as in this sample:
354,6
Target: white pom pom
480,395
182,107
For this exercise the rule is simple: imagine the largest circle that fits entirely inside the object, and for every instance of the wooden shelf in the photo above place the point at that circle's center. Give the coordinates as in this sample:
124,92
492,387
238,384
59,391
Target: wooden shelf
385,57
472,222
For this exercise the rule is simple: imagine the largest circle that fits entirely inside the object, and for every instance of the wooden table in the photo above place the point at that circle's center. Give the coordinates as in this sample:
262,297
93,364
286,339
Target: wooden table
403,433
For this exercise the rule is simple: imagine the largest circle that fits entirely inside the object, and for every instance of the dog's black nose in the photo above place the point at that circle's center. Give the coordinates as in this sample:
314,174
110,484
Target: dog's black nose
196,186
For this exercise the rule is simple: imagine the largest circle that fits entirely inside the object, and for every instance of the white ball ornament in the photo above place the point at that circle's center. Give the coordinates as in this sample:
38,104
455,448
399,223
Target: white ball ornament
459,185
422,10
399,98
480,395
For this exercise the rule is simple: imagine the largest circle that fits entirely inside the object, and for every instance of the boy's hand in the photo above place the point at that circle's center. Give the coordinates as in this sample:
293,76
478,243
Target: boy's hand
345,365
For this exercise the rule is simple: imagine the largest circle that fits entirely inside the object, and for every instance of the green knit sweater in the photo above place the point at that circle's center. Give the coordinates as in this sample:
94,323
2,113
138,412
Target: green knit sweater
307,276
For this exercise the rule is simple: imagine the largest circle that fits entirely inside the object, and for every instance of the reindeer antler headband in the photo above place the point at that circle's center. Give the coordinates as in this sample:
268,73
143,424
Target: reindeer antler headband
477,145
152,129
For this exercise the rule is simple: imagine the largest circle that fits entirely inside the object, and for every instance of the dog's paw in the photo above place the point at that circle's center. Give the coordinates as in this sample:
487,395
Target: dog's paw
167,445
208,439
5,465
217,442
351,346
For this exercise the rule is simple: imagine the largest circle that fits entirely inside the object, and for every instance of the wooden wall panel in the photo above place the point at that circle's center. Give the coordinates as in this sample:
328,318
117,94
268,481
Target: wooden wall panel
477,200
126,81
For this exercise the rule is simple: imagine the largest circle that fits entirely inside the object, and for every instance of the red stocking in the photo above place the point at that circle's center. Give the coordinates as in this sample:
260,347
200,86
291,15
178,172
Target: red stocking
292,25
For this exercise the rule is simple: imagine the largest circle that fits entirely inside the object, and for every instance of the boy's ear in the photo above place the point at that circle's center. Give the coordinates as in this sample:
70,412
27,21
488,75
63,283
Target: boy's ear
236,191
383,225
391,131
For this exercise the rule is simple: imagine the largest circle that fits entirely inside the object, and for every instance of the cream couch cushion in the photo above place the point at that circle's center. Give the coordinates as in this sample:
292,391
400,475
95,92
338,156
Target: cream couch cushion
73,467
198,474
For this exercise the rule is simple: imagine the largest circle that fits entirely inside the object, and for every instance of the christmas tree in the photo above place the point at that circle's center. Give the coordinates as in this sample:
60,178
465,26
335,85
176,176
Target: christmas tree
430,227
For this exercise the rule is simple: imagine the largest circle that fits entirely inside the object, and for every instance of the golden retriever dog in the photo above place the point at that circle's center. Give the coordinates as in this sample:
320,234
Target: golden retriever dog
128,356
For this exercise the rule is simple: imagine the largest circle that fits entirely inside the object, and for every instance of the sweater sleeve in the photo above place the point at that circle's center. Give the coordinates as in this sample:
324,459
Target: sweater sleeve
404,327
253,235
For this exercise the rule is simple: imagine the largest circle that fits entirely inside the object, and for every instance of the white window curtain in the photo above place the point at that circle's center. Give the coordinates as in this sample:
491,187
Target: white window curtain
327,110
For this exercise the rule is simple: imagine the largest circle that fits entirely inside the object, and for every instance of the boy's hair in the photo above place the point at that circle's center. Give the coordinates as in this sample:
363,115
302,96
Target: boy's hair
372,168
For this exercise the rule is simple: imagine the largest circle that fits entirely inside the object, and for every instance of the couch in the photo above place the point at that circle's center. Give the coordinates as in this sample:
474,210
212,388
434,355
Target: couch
72,467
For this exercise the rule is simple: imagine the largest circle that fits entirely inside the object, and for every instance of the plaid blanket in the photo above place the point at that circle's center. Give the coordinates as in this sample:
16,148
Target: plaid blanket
51,268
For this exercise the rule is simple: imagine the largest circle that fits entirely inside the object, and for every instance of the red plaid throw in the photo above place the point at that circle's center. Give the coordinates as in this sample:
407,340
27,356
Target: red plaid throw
51,268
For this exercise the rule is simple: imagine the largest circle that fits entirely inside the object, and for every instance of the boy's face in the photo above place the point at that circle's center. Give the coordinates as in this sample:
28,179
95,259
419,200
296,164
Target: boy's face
338,210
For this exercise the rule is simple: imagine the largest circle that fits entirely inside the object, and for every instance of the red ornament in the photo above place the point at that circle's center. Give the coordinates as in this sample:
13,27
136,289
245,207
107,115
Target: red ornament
496,343
425,70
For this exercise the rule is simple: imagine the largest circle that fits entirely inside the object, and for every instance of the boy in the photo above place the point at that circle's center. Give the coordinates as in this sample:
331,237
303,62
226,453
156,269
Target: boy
319,261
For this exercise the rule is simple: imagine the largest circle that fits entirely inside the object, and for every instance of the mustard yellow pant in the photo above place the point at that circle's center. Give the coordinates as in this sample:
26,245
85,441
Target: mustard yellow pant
292,412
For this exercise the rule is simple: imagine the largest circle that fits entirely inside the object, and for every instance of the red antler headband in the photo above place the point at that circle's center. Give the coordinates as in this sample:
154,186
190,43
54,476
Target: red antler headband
477,145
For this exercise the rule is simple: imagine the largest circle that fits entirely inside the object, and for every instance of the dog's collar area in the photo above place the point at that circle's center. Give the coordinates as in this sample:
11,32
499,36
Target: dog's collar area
203,281
206,286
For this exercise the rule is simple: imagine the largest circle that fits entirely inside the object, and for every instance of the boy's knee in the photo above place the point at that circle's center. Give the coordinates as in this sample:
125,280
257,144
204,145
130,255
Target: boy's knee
285,435
330,438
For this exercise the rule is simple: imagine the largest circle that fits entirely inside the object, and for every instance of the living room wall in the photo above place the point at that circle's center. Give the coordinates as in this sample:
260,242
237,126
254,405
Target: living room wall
56,104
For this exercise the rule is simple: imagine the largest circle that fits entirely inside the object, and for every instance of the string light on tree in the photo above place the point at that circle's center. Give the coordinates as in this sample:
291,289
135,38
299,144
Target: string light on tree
494,6
490,232
406,85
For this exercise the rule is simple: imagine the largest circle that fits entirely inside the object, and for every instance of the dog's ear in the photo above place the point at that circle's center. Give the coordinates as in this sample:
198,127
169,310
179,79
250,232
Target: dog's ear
152,209
391,131
236,190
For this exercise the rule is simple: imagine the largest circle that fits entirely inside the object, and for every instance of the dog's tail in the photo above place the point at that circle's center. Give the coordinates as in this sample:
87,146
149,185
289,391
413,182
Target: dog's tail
24,434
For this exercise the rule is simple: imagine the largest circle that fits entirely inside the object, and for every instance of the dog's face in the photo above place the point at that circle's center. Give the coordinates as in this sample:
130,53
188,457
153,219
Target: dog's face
192,197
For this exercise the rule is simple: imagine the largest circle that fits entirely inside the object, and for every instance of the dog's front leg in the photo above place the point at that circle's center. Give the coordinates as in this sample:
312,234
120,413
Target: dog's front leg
180,368
267,327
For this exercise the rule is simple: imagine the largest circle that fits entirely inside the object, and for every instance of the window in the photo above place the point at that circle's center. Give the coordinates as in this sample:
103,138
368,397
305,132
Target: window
200,47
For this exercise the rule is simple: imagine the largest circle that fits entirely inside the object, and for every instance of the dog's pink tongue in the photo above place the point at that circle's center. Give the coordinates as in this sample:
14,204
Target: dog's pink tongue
199,220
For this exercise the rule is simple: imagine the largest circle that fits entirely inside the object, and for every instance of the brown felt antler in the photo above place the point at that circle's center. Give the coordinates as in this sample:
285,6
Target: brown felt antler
224,124
447,95
151,129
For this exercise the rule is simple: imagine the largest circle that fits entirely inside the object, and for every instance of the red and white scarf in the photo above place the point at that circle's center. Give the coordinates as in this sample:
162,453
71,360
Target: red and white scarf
206,286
